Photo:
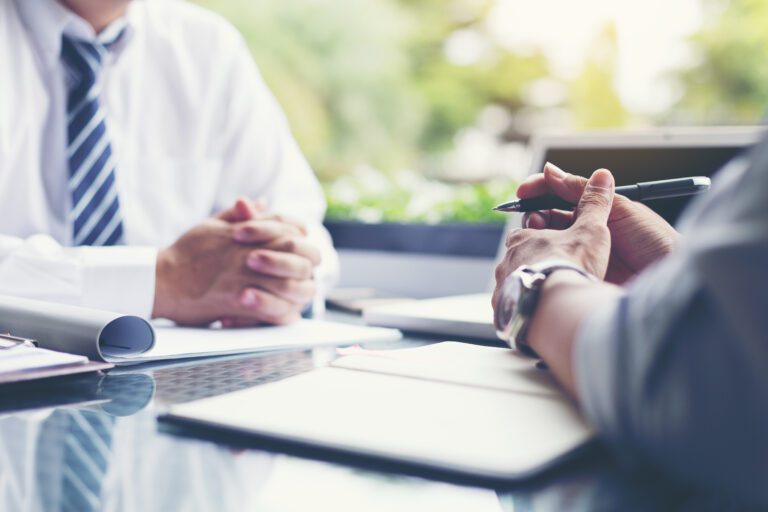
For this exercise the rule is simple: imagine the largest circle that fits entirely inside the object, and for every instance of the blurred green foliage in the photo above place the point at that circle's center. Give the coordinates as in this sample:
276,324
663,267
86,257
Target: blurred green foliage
729,82
394,203
368,84
341,72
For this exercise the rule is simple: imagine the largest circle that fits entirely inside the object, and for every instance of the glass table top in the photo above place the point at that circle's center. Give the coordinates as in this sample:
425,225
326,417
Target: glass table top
93,442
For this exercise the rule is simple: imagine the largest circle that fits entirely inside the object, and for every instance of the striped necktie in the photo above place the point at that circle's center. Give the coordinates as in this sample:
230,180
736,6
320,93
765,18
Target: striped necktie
73,454
87,451
95,214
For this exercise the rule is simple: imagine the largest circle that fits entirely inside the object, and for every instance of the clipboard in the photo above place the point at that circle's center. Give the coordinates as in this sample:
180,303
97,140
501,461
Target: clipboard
8,342
30,375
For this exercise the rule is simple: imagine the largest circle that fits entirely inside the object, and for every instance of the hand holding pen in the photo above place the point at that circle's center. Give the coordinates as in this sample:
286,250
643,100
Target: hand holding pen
646,191
638,235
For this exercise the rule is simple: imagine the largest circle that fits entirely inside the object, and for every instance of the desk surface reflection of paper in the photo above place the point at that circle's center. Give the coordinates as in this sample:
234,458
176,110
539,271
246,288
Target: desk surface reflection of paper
179,342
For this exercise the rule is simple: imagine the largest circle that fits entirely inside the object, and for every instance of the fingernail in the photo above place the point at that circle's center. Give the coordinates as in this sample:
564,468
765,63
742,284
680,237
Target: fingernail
248,298
536,220
241,235
601,179
556,171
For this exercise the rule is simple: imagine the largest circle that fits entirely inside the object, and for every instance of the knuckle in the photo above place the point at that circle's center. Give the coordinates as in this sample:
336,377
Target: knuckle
501,272
266,257
514,236
291,245
539,244
591,231
576,183
575,246
252,229
533,178
285,286
596,198
298,290
271,305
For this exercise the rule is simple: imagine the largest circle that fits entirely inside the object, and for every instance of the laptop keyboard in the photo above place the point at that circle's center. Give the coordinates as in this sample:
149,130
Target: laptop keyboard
202,380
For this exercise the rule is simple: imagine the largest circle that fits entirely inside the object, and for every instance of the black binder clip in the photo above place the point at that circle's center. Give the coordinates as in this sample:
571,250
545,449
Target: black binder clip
8,341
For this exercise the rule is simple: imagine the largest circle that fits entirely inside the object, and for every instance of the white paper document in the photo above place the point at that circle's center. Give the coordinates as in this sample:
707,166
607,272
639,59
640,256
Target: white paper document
125,339
457,363
179,342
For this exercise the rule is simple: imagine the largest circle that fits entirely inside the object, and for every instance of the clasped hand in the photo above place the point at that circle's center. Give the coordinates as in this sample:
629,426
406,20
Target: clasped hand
242,267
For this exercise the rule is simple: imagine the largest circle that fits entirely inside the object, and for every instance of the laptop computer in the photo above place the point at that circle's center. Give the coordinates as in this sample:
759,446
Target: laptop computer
631,156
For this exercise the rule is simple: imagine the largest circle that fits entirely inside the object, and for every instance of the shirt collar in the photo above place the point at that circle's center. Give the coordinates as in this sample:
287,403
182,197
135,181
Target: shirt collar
47,21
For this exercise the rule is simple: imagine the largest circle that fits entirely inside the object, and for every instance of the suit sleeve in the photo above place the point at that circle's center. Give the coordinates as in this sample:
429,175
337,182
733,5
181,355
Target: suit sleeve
675,372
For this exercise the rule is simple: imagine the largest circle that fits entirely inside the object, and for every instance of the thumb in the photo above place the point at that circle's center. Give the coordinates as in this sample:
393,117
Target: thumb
595,204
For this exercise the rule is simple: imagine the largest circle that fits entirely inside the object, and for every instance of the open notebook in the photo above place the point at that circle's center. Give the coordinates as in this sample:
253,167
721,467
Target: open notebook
124,339
481,411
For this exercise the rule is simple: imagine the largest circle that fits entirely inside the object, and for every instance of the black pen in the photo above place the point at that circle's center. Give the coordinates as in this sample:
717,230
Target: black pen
637,192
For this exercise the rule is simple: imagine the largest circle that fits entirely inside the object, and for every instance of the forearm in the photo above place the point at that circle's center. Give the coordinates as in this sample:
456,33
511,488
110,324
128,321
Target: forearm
567,299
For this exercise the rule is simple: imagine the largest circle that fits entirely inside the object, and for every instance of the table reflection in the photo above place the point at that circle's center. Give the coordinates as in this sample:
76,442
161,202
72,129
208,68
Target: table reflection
92,443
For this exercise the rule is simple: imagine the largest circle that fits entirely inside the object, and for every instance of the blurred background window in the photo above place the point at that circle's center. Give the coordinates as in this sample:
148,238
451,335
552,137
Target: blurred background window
421,110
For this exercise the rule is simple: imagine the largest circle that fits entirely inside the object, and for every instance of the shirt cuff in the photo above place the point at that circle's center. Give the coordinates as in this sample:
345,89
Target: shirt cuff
119,279
595,367
327,273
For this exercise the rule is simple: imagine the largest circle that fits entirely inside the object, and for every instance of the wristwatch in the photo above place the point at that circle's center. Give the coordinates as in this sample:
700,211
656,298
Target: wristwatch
518,300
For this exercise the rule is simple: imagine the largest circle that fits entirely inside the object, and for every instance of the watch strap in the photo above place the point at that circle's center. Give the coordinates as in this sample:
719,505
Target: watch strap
528,300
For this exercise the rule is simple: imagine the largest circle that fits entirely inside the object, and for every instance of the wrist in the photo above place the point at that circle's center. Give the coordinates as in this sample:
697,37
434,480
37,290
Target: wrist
519,297
561,281
163,268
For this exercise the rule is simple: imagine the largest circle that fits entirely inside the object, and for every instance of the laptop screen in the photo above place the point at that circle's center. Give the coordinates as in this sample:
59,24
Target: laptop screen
633,164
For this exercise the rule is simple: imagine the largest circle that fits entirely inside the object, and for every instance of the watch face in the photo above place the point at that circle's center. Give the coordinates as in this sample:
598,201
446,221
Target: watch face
505,308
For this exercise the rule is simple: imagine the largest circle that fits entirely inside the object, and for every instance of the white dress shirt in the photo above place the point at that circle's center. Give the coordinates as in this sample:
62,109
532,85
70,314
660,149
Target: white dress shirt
192,126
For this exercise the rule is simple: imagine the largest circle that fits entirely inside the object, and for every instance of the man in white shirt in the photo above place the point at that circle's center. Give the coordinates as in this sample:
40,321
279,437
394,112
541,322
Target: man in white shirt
128,131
